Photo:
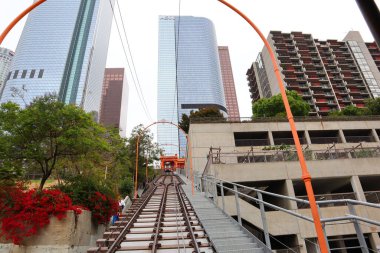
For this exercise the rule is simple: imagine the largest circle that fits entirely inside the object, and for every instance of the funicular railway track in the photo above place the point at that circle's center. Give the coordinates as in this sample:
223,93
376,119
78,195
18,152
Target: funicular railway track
163,220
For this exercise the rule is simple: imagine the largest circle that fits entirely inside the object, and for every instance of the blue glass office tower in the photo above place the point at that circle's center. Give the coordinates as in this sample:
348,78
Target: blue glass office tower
189,75
63,50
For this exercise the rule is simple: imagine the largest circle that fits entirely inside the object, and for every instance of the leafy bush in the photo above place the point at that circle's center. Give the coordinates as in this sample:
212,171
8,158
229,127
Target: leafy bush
274,106
92,195
23,213
126,187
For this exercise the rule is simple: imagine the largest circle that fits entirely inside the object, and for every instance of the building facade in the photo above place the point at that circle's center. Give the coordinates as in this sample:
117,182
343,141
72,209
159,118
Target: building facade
189,76
114,106
6,57
62,50
228,83
329,75
342,157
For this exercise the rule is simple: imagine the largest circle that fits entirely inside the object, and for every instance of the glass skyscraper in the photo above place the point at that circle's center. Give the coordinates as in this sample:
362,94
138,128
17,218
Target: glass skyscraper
62,50
6,57
189,75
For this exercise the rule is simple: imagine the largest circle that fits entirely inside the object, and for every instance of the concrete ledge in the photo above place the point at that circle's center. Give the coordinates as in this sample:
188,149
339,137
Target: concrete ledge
70,235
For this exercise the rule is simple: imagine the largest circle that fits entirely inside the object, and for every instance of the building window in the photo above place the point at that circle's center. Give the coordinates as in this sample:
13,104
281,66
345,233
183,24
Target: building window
41,73
15,74
9,75
32,73
23,75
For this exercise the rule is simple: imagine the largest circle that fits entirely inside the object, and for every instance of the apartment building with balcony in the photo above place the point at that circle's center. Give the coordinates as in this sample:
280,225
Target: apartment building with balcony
343,158
329,75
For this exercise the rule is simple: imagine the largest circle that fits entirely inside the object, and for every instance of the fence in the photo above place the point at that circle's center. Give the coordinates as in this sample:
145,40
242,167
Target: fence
210,186
291,155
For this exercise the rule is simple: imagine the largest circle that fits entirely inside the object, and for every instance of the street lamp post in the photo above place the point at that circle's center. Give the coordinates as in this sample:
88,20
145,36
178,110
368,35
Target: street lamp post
305,173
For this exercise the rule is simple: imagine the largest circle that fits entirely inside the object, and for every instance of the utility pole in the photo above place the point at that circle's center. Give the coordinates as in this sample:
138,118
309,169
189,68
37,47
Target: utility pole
371,14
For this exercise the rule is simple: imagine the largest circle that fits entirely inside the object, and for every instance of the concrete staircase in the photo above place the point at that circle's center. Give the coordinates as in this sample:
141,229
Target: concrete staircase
224,232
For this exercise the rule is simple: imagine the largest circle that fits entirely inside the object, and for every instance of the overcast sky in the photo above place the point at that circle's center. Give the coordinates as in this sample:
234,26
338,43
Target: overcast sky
324,19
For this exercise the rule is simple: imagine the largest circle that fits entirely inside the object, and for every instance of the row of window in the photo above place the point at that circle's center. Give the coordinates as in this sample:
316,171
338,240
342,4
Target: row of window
24,74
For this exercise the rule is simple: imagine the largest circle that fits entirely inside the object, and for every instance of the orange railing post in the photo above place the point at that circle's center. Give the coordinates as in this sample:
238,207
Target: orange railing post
18,18
305,173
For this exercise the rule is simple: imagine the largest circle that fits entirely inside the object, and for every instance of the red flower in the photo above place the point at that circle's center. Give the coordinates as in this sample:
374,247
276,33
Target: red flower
23,213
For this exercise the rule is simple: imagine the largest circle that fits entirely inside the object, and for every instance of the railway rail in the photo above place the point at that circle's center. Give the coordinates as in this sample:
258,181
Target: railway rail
162,220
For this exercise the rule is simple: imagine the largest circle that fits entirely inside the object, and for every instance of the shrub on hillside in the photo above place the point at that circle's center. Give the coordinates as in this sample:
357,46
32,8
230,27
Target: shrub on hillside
93,196
24,212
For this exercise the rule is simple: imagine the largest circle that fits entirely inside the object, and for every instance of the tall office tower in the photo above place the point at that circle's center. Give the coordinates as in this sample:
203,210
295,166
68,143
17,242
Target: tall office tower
62,50
329,75
6,57
189,76
114,106
228,83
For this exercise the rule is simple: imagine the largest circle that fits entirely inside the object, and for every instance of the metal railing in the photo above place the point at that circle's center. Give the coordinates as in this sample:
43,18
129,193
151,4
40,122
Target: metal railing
372,196
283,119
331,196
210,186
265,156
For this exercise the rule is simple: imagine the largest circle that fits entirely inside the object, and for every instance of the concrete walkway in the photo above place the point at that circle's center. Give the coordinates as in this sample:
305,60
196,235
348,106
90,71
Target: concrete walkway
224,232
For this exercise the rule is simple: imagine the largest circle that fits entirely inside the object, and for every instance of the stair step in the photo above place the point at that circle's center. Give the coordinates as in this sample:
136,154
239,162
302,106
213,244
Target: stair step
255,250
233,246
241,240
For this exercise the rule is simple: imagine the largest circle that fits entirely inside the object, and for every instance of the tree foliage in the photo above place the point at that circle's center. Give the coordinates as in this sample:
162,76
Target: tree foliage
45,134
373,106
148,151
211,113
350,110
274,106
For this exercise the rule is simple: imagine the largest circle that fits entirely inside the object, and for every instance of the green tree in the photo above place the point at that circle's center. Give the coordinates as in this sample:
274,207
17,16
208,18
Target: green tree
350,110
211,113
274,106
373,106
46,133
148,151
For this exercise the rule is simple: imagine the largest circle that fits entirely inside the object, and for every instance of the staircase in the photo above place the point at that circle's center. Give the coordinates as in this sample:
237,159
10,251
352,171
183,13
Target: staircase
225,233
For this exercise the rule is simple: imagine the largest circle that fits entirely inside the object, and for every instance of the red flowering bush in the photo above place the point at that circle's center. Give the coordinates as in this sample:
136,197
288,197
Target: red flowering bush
92,195
102,207
23,213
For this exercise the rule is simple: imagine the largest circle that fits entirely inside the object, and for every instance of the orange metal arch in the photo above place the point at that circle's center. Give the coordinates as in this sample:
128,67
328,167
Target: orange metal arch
305,173
18,18
189,153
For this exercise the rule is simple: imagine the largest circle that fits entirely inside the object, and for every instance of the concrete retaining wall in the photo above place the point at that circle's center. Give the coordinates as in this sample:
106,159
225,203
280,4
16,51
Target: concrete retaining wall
70,235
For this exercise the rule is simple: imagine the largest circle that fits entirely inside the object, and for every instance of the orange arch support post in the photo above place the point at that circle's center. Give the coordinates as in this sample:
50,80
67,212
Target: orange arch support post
189,156
305,173
18,18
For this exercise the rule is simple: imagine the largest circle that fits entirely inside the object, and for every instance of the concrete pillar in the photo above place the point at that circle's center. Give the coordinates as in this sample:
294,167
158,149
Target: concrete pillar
374,241
290,192
312,246
357,187
341,244
301,243
375,136
341,135
270,137
307,137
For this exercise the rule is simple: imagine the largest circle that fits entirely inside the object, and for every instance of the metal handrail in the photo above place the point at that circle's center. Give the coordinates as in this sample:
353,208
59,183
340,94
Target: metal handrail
283,119
311,154
348,201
